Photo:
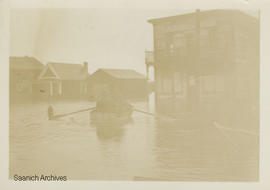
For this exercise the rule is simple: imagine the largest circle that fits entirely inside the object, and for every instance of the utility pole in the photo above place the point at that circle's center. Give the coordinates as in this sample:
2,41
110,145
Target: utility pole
197,36
197,64
193,71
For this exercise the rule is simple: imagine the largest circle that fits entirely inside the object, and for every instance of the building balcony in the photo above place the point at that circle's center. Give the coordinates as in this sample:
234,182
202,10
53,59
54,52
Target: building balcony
176,55
149,58
209,60
190,54
188,58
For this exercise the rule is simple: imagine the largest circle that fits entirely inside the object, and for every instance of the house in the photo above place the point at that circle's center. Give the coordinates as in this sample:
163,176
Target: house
23,72
206,60
63,80
126,83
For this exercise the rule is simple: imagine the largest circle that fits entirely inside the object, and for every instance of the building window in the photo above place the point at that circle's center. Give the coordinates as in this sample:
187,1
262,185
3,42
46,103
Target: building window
213,39
220,83
165,84
171,46
226,38
85,87
189,40
208,84
242,45
20,87
160,84
179,44
178,83
212,84
160,43
242,87
204,41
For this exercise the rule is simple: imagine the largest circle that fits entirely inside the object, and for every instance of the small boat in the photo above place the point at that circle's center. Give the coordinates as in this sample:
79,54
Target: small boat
111,112
109,117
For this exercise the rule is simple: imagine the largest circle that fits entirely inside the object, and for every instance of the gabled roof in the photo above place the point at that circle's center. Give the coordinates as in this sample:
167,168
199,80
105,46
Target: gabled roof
25,63
66,71
123,73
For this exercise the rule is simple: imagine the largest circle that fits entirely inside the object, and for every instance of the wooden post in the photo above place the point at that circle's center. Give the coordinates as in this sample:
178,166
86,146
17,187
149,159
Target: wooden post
147,71
172,73
50,113
156,88
51,88
85,87
60,88
81,87
198,34
31,88
198,66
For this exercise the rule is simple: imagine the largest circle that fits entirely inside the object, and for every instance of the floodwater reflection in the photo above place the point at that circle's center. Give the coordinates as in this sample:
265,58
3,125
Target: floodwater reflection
109,130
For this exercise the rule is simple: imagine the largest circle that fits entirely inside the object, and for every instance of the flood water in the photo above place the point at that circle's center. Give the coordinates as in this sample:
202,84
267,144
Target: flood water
143,148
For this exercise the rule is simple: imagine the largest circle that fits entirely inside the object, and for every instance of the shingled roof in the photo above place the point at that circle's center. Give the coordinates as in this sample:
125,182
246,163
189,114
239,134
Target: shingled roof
66,71
25,63
123,73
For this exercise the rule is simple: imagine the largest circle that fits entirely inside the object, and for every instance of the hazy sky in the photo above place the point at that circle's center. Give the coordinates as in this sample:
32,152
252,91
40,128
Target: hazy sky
105,38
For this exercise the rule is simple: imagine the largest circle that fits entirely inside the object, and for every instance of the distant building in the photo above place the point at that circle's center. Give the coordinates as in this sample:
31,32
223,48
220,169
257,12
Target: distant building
23,73
125,83
63,80
206,60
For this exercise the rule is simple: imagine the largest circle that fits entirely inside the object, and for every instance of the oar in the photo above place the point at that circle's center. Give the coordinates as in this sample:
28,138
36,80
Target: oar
155,115
145,112
71,113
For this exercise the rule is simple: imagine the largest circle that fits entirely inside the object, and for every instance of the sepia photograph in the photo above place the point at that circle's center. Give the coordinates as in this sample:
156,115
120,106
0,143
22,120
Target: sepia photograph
134,94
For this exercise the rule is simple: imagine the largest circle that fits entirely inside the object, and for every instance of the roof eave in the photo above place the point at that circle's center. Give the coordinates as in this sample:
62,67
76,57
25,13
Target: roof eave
171,18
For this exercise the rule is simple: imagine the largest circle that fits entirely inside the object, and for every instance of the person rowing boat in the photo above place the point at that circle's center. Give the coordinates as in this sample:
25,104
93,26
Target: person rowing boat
111,107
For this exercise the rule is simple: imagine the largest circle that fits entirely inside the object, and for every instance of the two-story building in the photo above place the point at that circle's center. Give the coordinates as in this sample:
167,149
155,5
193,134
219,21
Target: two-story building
205,60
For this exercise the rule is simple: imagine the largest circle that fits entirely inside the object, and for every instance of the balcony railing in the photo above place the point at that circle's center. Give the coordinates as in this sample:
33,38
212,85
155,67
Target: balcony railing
186,55
149,57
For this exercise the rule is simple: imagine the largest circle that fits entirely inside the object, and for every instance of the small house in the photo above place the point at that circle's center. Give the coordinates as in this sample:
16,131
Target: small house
125,83
23,73
63,80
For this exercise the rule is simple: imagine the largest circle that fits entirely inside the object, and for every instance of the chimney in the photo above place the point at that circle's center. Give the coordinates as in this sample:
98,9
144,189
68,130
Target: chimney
85,66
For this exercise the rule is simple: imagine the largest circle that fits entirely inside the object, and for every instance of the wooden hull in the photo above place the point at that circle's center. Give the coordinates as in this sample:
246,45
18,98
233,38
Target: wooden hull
109,118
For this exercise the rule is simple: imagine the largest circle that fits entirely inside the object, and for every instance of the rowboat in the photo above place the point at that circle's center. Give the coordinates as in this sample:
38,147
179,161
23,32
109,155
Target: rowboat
109,117
109,112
